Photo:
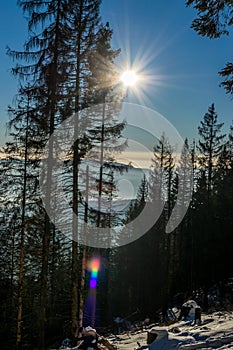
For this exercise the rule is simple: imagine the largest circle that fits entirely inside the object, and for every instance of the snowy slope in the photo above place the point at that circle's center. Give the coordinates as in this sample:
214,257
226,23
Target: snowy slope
215,332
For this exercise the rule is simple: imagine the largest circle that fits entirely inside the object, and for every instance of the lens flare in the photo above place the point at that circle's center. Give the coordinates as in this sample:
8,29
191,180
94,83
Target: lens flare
93,283
94,266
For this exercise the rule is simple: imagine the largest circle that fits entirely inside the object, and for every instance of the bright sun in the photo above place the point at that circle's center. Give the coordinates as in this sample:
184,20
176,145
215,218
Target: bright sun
129,78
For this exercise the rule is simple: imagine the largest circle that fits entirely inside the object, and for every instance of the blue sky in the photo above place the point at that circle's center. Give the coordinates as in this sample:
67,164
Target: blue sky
181,68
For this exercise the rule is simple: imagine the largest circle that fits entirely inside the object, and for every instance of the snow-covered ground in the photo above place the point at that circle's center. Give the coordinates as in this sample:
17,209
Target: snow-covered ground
215,332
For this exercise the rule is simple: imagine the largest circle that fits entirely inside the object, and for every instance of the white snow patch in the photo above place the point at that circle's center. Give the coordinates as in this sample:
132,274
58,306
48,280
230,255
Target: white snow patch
215,332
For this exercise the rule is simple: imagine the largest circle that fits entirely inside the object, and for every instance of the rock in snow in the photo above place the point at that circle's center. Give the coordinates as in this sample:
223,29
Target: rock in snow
215,332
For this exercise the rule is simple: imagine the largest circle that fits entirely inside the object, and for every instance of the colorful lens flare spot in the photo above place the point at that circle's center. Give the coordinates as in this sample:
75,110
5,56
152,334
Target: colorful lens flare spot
93,283
95,264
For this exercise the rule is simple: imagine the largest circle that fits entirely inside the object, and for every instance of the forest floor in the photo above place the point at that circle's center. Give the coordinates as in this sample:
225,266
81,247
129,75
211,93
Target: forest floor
214,332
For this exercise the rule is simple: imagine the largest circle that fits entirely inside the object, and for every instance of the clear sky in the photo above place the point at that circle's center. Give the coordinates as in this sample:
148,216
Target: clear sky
180,68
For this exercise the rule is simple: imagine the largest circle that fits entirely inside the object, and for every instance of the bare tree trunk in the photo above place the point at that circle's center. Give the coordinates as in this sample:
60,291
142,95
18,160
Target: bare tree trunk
44,277
84,257
101,163
74,274
52,102
46,237
22,233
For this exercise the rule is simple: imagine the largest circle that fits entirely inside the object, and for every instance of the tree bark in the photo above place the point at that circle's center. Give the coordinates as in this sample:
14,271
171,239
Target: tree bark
22,234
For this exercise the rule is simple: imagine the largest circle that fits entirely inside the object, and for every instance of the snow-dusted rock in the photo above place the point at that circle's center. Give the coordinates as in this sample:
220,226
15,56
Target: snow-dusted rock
215,332
167,340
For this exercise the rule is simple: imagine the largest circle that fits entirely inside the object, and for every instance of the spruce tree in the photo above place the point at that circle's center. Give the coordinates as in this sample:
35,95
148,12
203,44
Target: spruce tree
160,187
214,19
21,154
181,237
210,144
223,195
44,66
84,20
104,134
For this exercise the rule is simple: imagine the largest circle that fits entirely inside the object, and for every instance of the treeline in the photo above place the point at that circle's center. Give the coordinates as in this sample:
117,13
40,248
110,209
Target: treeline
66,66
161,269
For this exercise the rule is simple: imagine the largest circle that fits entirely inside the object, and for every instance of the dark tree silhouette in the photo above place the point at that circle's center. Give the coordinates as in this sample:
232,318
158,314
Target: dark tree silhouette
211,143
214,19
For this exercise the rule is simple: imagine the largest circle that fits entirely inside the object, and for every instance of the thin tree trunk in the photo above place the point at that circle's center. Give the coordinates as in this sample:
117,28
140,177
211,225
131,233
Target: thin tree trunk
46,238
101,164
84,257
74,274
22,233
44,277
46,242
53,269
74,308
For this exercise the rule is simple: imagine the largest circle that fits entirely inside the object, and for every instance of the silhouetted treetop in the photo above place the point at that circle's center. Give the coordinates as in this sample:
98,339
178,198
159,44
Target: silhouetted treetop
214,17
